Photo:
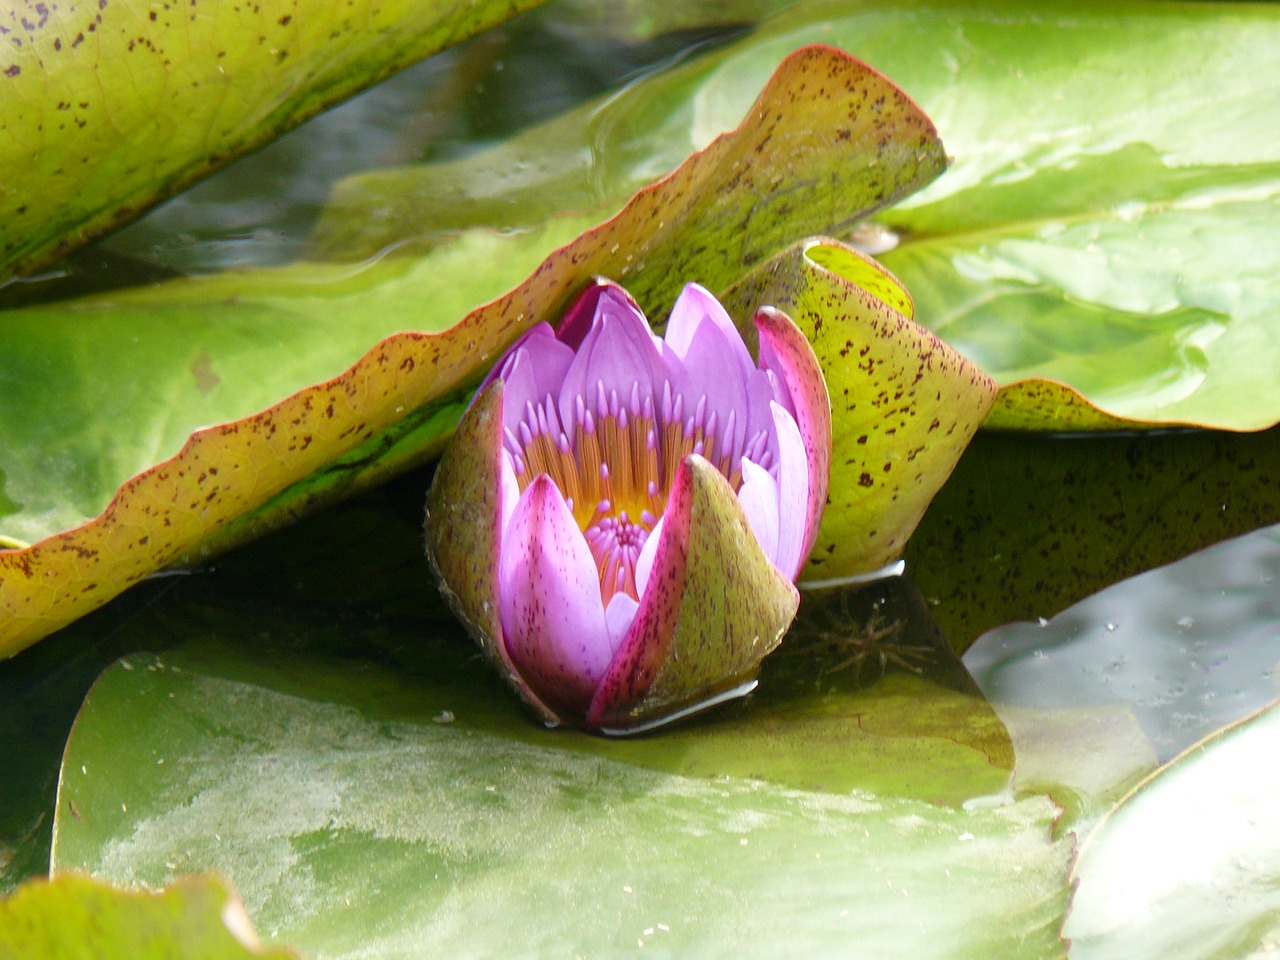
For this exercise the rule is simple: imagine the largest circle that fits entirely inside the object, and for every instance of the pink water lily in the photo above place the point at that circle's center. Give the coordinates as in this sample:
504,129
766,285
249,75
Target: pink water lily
622,516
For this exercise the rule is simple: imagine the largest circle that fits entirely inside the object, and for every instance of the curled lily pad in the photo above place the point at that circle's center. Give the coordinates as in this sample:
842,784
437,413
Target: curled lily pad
706,221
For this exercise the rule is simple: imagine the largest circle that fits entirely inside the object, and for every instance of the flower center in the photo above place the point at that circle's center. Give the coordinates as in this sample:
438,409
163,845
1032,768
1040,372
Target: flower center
615,462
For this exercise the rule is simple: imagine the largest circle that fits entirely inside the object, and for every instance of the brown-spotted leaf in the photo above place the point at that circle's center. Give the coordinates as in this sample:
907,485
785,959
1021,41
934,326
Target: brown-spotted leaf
112,106
904,404
828,141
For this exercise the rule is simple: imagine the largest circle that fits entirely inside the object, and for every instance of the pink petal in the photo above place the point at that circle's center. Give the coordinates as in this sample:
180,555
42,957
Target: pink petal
532,367
508,492
549,592
696,308
786,351
618,616
759,498
577,320
644,562
795,540
619,351
711,373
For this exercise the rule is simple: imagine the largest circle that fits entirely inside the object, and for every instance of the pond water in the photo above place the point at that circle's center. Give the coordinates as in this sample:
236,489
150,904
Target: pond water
1187,648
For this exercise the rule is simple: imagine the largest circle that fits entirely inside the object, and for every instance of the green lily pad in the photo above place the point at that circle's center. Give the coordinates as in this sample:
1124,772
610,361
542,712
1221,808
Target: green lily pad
361,813
116,106
204,338
1188,866
1101,244
75,918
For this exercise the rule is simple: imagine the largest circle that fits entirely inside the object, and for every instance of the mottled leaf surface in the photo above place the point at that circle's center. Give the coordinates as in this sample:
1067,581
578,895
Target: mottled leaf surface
358,817
73,917
1028,525
904,404
723,210
113,106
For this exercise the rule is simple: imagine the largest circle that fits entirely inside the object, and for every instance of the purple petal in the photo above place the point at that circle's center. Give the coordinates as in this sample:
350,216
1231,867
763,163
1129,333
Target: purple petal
577,320
534,368
549,592
653,627
785,351
712,372
794,542
695,309
619,351
759,498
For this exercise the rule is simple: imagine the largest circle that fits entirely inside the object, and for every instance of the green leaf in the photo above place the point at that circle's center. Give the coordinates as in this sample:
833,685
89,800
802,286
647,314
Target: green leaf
1188,865
75,918
203,342
360,812
113,107
1106,222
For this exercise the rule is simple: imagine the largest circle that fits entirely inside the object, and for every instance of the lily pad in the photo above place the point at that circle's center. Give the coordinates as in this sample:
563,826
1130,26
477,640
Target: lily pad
73,917
112,107
706,221
360,814
1101,244
1214,892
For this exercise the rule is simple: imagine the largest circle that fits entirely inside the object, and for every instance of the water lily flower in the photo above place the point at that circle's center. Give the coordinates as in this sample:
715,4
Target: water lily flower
621,517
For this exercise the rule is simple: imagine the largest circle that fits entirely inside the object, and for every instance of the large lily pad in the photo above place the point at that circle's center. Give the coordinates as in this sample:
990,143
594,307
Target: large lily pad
1101,244
356,816
1214,891
75,918
725,208
111,107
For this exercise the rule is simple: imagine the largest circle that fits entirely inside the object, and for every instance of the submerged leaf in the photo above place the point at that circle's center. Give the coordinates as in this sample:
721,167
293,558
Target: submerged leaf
353,824
1028,525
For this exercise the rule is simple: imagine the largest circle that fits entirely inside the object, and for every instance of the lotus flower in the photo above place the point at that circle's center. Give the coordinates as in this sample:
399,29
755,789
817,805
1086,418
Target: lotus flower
621,517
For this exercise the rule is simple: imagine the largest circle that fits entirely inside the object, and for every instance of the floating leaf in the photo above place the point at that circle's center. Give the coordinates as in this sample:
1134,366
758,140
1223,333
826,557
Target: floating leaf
1102,244
724,209
75,918
361,813
1188,865
115,106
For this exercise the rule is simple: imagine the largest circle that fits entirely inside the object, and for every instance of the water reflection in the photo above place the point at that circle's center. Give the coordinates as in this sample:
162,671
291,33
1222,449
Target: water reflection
1187,648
